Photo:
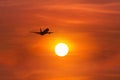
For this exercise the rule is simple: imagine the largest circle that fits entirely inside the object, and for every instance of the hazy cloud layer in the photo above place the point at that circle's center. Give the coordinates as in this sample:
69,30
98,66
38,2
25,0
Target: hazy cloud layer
94,26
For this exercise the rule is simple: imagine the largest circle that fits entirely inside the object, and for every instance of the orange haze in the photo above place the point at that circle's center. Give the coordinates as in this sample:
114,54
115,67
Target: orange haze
90,28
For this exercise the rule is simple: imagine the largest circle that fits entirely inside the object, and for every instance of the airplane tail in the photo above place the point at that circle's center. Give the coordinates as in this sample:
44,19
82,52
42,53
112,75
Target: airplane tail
40,30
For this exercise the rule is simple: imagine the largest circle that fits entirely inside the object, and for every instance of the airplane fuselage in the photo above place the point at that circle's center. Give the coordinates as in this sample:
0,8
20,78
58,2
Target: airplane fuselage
46,31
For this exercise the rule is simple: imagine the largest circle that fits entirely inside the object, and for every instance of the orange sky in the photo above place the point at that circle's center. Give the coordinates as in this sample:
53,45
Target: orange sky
91,28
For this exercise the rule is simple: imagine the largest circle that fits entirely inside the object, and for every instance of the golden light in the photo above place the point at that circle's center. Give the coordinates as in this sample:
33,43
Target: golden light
61,49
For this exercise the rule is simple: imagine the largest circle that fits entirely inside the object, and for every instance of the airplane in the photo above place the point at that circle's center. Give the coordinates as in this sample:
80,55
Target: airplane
46,31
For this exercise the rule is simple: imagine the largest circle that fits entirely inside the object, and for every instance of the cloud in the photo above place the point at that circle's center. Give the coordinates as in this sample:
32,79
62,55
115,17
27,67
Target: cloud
92,25
100,8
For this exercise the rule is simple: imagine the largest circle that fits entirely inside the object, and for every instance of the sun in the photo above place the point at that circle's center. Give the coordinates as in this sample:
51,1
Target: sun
61,49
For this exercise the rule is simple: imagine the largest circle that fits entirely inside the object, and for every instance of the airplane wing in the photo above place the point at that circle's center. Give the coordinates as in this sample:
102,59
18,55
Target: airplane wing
50,32
36,32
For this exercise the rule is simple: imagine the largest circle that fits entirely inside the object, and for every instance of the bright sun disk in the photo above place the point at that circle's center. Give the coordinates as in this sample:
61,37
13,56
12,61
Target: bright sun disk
61,49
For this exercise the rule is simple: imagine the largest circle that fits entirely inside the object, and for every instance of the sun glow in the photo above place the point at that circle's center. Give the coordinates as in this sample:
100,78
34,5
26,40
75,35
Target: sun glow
61,49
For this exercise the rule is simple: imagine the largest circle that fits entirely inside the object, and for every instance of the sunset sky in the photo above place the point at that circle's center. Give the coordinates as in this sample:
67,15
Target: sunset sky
91,29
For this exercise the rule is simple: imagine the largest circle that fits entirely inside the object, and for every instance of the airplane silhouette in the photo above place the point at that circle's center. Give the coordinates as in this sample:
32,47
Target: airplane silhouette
46,31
